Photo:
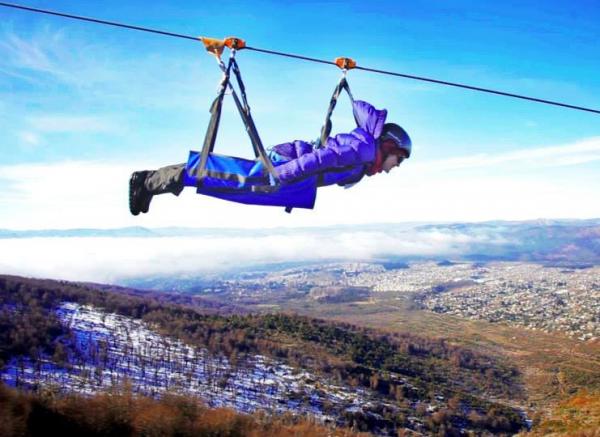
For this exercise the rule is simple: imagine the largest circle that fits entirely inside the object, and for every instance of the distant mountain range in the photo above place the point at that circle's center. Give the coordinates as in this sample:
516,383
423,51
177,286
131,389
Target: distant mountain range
533,227
556,242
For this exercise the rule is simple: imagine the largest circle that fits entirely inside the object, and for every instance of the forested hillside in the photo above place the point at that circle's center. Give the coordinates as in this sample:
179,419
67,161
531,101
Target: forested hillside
421,383
122,414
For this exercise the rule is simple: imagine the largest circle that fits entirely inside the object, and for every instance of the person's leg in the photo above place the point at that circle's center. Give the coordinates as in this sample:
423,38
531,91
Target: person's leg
145,184
165,180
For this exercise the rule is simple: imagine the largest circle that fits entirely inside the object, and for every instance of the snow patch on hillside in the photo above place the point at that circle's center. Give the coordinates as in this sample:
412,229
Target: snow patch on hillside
108,350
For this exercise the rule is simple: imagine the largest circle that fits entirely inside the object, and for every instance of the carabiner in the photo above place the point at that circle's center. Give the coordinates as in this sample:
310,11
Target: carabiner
234,43
216,46
345,63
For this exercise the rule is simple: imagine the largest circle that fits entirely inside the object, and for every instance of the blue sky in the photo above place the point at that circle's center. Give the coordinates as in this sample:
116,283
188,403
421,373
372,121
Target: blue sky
83,105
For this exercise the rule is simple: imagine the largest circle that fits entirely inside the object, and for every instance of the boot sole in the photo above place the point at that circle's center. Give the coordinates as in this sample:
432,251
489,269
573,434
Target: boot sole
133,207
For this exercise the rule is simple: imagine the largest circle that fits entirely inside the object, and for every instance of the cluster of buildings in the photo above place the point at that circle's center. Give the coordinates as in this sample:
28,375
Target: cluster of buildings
530,295
539,298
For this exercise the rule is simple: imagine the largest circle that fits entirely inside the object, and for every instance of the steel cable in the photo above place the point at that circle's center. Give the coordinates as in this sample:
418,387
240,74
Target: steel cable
307,58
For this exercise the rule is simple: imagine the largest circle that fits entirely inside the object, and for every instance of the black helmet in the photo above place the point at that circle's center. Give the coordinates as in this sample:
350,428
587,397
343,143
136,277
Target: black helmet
398,135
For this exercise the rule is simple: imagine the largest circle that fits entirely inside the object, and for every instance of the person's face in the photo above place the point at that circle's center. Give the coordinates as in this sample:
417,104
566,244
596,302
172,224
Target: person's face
391,161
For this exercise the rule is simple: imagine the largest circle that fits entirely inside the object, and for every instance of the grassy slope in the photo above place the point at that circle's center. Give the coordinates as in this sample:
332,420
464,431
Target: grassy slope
578,416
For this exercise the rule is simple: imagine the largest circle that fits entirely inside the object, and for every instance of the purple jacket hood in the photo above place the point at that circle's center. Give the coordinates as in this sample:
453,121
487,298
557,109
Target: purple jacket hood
369,118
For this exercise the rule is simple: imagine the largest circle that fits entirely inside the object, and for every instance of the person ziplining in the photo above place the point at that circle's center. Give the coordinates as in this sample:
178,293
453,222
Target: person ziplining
290,173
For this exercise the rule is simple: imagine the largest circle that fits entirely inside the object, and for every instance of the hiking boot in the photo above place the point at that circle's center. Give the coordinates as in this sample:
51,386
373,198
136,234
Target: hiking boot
139,196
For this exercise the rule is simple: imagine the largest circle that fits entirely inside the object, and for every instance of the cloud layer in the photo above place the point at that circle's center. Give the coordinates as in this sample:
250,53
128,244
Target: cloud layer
113,259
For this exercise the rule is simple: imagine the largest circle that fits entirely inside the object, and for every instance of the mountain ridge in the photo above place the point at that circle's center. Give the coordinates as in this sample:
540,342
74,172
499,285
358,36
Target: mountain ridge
141,231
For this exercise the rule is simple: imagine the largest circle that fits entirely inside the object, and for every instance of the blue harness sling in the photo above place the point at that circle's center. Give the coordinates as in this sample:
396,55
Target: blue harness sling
238,179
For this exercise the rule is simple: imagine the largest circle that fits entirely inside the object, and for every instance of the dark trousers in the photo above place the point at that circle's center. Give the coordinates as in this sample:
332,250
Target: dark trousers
167,179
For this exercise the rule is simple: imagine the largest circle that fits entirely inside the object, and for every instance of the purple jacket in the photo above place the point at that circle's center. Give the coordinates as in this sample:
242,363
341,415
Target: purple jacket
350,152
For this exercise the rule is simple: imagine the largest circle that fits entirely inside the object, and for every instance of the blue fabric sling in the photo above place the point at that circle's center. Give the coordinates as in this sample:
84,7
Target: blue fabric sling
243,181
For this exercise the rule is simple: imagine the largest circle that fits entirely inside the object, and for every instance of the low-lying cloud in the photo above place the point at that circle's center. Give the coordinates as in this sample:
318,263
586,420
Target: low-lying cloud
111,260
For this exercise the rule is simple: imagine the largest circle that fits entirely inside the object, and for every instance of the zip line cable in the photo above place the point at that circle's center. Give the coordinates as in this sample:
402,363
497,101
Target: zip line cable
475,88
306,58
95,20
290,55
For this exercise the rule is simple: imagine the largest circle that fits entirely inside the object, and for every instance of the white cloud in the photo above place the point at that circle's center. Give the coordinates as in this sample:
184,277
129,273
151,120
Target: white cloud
71,123
583,151
94,194
44,52
27,54
114,259
66,194
48,57
29,138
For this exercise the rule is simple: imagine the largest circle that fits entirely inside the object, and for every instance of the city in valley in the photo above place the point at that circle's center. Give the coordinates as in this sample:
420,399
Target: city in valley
550,299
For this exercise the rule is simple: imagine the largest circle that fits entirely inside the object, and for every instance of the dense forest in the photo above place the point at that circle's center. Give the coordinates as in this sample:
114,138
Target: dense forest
404,368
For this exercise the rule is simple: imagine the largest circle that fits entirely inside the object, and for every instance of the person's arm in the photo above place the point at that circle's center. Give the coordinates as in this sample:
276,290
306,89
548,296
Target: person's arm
369,118
292,150
355,148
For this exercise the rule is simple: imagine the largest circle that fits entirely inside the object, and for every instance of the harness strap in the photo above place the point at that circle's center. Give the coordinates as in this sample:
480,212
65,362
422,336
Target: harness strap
326,129
213,124
244,110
